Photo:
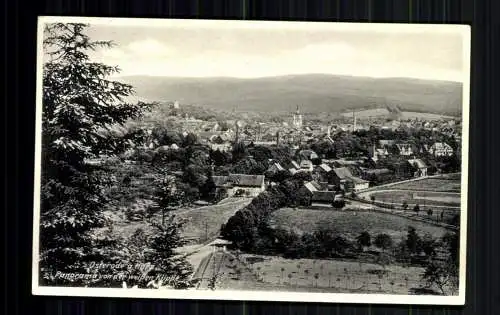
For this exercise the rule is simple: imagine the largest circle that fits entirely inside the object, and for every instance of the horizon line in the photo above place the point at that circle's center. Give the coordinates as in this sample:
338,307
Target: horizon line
286,75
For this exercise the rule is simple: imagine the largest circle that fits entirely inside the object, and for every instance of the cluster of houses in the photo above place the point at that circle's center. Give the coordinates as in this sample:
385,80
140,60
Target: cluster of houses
332,176
388,147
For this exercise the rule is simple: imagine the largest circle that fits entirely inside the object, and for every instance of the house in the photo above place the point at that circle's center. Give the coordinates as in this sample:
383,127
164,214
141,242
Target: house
421,168
386,143
424,149
306,166
295,165
378,153
222,147
174,146
323,172
240,184
211,127
323,198
308,155
441,149
275,168
343,177
207,137
405,149
318,194
264,143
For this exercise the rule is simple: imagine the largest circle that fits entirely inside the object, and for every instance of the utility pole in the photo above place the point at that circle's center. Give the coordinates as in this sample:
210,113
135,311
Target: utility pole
206,231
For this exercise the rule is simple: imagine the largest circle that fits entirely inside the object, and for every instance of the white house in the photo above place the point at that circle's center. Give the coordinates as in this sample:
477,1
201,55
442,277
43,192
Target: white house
404,149
343,177
441,149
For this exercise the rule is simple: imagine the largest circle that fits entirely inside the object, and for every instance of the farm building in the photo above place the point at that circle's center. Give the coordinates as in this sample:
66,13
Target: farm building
343,177
240,184
319,195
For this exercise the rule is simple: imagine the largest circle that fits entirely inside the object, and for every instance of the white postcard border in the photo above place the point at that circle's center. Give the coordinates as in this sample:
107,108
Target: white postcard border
459,299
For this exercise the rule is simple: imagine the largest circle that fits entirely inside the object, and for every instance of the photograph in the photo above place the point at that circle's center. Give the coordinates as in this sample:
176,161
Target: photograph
285,161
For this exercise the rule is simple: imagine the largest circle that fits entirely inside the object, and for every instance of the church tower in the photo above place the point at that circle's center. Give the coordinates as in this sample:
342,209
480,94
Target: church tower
297,118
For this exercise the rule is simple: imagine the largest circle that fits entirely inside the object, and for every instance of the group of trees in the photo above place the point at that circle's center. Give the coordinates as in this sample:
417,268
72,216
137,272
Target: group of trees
81,106
247,228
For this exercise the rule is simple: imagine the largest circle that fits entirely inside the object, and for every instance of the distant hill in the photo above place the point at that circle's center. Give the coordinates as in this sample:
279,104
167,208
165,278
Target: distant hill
314,93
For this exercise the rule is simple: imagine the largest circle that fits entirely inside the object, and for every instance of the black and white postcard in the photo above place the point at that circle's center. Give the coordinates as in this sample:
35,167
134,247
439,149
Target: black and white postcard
251,160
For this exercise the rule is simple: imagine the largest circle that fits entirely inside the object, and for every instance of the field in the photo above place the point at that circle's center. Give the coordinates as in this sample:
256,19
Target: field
426,116
256,272
443,184
428,198
205,222
202,222
350,223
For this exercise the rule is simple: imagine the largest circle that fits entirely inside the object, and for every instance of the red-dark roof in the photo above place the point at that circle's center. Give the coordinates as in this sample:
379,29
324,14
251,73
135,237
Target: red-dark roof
242,180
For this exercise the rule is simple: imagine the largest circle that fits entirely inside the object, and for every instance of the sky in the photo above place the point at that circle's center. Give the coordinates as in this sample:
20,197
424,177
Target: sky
249,52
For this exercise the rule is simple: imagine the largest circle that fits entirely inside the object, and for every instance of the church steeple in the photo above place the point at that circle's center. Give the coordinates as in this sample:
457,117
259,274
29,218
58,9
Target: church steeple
297,118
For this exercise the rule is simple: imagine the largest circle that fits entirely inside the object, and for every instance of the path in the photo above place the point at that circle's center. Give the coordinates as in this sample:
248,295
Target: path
209,267
201,254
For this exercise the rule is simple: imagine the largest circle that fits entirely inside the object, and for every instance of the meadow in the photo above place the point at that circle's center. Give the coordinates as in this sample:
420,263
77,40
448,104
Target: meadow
202,223
429,198
350,223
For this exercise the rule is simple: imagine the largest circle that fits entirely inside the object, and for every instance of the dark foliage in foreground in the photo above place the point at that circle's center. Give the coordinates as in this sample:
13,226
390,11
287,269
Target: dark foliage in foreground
81,110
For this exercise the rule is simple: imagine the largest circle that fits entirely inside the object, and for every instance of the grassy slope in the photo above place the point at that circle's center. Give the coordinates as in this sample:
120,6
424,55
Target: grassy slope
199,220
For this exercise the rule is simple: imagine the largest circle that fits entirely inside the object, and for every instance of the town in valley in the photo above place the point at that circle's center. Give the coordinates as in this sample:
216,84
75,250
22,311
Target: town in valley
348,198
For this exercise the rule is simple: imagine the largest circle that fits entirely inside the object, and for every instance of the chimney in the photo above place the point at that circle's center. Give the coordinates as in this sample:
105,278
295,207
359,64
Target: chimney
277,138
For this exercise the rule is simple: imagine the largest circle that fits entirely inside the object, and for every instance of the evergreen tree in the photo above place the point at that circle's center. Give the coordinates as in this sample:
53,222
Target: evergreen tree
413,242
80,108
169,268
